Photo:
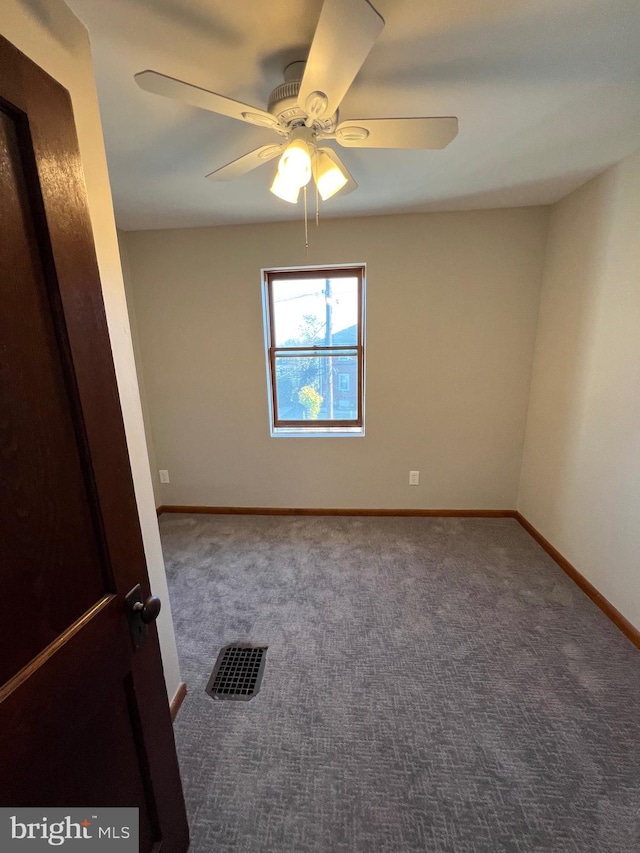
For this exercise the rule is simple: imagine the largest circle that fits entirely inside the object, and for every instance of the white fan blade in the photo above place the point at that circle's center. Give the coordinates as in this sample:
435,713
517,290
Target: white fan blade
397,132
246,163
346,32
160,84
351,184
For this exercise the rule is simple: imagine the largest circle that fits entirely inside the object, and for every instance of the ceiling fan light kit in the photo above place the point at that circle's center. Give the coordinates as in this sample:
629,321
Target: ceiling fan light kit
301,159
304,109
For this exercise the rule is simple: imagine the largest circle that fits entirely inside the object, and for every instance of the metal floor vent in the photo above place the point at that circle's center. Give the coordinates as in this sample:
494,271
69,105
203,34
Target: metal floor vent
238,672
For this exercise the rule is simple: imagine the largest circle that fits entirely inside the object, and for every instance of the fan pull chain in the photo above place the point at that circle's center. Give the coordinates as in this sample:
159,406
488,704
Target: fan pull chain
306,228
317,207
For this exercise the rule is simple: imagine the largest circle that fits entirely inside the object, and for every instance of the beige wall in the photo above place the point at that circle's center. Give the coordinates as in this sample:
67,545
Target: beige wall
49,34
581,465
452,303
135,341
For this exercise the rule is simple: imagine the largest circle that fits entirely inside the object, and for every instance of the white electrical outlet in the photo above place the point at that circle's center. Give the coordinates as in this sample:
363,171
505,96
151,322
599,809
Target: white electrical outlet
164,476
414,478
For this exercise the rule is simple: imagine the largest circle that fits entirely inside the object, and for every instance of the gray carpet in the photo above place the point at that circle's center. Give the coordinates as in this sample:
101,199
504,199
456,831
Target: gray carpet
431,685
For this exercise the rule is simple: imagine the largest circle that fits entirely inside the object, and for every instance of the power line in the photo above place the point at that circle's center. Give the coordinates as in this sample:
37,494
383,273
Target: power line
300,296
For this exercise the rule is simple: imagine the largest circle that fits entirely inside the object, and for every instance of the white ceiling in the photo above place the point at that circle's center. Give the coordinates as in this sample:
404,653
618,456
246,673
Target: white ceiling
547,93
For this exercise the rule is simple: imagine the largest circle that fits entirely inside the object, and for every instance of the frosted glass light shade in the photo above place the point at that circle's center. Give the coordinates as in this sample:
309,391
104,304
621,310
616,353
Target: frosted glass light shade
295,163
328,176
283,189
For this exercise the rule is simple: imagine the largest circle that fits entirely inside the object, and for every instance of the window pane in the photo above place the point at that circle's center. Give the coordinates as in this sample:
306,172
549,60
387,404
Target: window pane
317,388
315,311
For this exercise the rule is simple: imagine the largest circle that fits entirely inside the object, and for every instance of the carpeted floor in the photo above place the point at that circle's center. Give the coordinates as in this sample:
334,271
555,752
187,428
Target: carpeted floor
431,685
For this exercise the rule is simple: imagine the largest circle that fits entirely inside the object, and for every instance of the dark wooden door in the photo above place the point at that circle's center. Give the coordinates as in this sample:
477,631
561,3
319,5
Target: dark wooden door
84,716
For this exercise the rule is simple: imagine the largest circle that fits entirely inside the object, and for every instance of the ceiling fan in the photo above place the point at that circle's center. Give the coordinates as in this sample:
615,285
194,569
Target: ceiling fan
304,109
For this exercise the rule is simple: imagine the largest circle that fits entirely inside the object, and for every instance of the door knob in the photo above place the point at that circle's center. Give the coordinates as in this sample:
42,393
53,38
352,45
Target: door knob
141,613
148,609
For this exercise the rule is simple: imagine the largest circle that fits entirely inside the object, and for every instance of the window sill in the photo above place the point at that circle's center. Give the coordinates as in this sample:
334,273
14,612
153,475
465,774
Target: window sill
320,432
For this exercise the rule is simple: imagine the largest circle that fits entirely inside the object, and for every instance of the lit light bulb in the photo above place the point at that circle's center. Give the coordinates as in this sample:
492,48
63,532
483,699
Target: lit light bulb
295,163
283,189
328,176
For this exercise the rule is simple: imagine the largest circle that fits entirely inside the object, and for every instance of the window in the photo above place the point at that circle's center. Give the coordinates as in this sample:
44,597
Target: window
315,350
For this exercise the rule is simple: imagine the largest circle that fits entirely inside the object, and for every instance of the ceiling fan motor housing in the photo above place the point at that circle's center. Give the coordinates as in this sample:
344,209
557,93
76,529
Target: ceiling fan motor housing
283,101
